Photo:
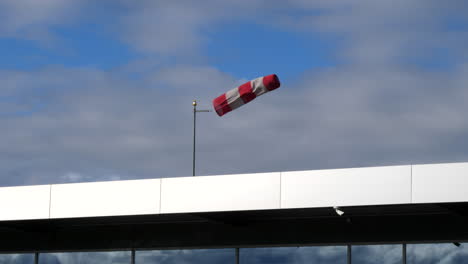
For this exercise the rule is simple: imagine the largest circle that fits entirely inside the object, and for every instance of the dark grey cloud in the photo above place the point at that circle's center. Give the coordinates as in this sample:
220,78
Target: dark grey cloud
344,118
98,125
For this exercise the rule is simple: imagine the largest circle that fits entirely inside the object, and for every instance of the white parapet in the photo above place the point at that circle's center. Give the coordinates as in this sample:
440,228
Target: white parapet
437,183
434,183
25,202
346,187
135,197
221,193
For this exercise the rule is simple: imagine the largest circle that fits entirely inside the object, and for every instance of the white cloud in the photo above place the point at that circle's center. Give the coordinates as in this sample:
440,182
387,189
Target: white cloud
384,33
178,27
32,19
164,28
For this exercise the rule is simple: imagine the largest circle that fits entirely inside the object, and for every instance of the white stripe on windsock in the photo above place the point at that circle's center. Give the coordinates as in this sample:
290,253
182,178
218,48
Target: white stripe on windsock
258,88
233,98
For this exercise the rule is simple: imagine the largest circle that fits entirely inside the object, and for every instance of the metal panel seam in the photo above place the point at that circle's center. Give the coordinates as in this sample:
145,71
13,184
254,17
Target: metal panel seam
160,195
411,183
50,198
280,189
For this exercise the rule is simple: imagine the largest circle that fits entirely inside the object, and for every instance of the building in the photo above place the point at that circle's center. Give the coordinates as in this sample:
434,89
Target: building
395,214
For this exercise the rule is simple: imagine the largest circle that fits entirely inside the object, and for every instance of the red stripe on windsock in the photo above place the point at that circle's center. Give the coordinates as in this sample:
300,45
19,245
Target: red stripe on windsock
271,82
221,105
246,92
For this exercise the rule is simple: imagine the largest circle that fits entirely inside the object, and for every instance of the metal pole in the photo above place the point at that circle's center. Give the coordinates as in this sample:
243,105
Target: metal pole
36,257
132,261
237,256
349,254
195,111
404,253
194,103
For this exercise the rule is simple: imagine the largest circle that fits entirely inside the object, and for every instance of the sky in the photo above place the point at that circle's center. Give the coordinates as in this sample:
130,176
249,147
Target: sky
103,90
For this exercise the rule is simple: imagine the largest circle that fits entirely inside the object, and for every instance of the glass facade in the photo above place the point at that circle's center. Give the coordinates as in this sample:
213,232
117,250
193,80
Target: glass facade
206,256
448,253
437,253
293,255
120,257
16,258
383,254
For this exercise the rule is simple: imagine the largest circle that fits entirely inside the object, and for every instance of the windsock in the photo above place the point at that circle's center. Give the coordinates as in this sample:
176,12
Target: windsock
245,93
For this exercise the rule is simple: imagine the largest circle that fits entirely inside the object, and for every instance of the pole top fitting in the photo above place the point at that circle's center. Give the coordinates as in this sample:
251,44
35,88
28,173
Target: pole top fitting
194,103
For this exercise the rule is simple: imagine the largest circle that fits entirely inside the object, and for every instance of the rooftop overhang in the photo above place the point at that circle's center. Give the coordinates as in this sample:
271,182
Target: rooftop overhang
396,204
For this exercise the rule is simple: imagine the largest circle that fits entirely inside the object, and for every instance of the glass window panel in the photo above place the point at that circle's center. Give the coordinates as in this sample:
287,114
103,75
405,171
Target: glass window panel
16,258
296,255
437,253
205,256
381,254
117,257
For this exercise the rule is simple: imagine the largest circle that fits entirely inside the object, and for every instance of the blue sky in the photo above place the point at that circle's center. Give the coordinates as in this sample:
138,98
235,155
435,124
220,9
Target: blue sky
241,49
94,91
79,46
250,50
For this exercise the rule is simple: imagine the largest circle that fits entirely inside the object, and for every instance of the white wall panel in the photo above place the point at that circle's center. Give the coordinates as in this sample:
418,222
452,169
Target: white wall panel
346,187
25,202
437,183
221,193
105,198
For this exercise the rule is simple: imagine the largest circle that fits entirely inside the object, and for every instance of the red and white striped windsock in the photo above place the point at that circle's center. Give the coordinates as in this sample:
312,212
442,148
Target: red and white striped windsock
245,93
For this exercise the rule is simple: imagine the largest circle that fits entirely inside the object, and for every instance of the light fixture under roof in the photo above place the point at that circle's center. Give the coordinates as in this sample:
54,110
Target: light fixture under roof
338,210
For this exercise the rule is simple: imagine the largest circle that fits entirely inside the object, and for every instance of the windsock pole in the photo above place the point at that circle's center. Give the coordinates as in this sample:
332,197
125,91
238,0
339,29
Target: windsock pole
195,111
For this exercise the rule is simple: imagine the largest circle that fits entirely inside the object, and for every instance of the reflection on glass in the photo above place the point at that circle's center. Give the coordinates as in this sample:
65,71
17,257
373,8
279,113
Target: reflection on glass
205,256
296,255
16,258
382,254
121,257
437,253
